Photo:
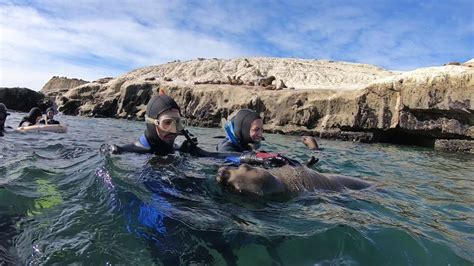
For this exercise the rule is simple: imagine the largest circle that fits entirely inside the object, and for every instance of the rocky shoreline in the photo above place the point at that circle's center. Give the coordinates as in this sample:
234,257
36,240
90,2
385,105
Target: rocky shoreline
356,102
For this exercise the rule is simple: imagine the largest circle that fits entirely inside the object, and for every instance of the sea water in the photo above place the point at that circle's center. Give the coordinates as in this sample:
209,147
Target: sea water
62,201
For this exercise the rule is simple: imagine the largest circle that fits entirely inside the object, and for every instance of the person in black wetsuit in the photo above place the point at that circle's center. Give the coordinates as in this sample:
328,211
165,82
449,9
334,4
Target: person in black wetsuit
244,132
49,120
163,124
3,117
32,118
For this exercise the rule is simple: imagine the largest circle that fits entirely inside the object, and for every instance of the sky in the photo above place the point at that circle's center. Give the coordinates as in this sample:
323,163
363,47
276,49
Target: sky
91,39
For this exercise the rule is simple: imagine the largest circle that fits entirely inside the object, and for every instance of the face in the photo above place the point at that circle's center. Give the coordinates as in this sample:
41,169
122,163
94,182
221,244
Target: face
256,130
169,125
50,115
250,179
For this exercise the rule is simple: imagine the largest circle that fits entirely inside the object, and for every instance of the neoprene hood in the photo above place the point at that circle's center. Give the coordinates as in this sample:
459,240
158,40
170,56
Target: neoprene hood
157,105
242,122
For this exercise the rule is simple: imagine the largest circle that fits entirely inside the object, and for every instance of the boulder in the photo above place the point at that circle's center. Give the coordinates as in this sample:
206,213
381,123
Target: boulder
454,145
23,99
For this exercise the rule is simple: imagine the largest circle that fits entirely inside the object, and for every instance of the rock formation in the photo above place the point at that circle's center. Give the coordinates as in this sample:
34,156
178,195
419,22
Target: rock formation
60,85
331,99
23,99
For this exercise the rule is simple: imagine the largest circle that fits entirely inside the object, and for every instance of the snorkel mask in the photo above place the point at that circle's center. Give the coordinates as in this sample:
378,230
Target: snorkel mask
168,123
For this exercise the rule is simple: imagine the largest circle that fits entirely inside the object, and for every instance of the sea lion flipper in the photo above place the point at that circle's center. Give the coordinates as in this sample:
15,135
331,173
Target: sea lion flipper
312,161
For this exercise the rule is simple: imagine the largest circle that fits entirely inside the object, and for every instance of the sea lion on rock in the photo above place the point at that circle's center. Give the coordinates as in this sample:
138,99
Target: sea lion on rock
310,142
285,180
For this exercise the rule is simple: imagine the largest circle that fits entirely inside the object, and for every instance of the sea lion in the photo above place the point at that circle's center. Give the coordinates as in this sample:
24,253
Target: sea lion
285,180
310,142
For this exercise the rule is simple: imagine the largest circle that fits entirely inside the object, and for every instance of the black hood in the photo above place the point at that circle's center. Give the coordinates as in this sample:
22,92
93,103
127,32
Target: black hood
242,122
4,113
157,105
3,109
160,103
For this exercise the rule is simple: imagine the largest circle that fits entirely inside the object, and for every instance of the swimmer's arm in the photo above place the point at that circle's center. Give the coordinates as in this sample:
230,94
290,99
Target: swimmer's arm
186,147
132,148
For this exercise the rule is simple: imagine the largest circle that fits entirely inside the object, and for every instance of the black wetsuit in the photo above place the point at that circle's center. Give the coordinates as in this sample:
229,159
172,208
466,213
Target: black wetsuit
3,118
150,142
50,122
226,145
158,147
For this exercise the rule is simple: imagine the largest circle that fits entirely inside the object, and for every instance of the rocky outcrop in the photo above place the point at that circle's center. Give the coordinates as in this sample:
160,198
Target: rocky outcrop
455,145
331,99
23,99
57,86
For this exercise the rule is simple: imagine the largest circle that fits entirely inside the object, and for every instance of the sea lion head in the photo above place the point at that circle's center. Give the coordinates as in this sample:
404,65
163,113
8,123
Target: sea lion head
249,179
310,142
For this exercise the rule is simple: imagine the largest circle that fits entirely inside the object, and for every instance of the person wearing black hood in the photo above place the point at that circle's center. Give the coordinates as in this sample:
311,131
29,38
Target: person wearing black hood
3,118
32,118
244,132
49,119
163,124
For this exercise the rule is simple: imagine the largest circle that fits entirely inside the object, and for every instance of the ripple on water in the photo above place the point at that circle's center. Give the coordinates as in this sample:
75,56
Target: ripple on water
63,202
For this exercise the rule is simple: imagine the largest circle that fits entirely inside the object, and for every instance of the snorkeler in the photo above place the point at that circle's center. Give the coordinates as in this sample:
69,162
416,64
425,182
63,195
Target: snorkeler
244,132
49,119
3,118
32,118
163,124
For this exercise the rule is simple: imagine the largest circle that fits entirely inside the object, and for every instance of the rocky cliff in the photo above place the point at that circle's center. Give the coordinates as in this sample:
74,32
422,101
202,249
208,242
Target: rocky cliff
324,98
59,85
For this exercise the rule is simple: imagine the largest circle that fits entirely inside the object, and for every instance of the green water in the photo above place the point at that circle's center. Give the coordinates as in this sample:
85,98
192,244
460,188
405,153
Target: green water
63,202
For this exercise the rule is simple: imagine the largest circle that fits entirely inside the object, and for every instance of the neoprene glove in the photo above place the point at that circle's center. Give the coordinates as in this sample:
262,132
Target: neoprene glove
109,149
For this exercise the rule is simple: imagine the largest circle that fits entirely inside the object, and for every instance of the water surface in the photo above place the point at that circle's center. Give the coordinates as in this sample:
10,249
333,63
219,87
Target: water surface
61,201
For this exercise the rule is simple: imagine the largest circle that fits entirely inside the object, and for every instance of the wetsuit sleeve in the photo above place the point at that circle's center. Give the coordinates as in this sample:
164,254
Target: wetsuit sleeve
227,146
194,150
132,147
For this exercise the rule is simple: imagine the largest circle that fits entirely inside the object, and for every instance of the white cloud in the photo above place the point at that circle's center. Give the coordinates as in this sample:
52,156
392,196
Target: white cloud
90,39
34,46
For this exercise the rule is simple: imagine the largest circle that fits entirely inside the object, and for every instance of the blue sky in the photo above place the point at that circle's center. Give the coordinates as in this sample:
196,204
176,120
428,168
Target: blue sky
91,39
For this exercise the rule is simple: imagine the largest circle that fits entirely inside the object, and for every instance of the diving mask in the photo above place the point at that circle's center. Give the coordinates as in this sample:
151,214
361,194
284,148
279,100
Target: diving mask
168,123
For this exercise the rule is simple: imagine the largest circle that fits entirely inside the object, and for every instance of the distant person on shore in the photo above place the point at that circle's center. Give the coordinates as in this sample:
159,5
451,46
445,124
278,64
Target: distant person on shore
3,117
244,132
33,117
49,118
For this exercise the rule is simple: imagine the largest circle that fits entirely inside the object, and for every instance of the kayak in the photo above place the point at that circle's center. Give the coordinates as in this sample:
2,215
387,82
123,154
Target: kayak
47,128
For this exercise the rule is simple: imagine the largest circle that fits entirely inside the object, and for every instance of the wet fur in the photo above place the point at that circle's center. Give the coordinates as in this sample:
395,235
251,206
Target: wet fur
310,142
284,180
